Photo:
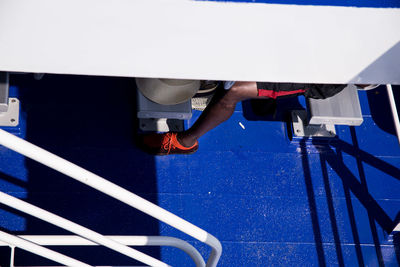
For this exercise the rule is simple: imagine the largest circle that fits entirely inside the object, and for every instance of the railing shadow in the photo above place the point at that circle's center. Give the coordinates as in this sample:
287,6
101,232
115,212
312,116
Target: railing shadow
331,154
396,242
312,204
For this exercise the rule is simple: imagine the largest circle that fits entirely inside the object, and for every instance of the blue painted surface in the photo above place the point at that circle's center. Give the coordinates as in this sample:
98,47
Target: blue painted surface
348,3
271,200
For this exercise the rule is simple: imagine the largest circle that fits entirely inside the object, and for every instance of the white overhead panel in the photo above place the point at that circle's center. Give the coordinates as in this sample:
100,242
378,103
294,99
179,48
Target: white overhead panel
201,40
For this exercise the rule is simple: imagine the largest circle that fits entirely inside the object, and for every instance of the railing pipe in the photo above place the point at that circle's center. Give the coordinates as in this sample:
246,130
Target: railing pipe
36,249
394,110
12,256
72,240
77,229
57,163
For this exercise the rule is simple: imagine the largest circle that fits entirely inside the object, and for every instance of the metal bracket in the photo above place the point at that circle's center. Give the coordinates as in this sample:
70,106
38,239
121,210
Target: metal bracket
302,129
11,116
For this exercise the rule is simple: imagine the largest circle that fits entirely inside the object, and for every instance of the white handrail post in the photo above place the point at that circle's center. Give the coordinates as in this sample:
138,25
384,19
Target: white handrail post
394,110
12,256
216,251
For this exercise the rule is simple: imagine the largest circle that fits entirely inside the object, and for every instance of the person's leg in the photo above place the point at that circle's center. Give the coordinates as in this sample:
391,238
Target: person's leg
218,112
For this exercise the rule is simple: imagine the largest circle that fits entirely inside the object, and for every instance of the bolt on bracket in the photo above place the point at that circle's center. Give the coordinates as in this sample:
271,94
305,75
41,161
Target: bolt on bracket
301,128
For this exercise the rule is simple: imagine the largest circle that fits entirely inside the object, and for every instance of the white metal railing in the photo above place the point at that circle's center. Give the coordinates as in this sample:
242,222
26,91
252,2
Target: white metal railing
394,110
77,229
57,163
70,240
14,241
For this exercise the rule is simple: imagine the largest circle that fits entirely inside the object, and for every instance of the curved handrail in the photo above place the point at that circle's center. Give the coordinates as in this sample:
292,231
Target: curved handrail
73,240
57,163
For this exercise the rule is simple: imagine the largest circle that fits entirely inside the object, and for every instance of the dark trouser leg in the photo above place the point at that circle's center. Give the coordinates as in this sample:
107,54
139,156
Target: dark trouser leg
218,112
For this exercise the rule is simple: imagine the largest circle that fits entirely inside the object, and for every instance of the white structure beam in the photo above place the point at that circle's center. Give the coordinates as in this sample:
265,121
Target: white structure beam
201,40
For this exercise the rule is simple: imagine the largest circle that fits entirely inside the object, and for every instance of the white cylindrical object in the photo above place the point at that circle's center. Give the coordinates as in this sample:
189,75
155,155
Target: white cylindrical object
168,91
394,110
77,229
12,256
38,250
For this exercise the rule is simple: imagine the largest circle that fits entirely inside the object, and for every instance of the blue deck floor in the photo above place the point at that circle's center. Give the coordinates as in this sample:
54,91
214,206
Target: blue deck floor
272,200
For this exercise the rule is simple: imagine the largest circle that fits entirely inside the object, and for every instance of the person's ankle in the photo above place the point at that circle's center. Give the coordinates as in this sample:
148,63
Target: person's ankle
186,140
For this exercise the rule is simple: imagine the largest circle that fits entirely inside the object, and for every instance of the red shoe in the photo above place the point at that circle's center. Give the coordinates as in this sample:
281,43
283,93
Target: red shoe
165,144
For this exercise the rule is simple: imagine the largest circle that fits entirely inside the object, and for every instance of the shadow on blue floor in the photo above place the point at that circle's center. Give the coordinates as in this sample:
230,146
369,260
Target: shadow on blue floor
91,122
330,154
272,201
376,214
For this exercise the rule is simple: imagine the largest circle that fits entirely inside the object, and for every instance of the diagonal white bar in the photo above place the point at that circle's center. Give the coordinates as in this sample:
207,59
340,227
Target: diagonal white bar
36,249
394,110
77,229
55,162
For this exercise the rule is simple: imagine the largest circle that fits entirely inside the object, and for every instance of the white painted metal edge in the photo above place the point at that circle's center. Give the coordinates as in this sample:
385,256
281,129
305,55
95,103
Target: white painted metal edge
201,40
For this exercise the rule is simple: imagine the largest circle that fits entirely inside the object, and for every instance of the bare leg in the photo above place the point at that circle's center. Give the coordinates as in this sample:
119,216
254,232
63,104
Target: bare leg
218,112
